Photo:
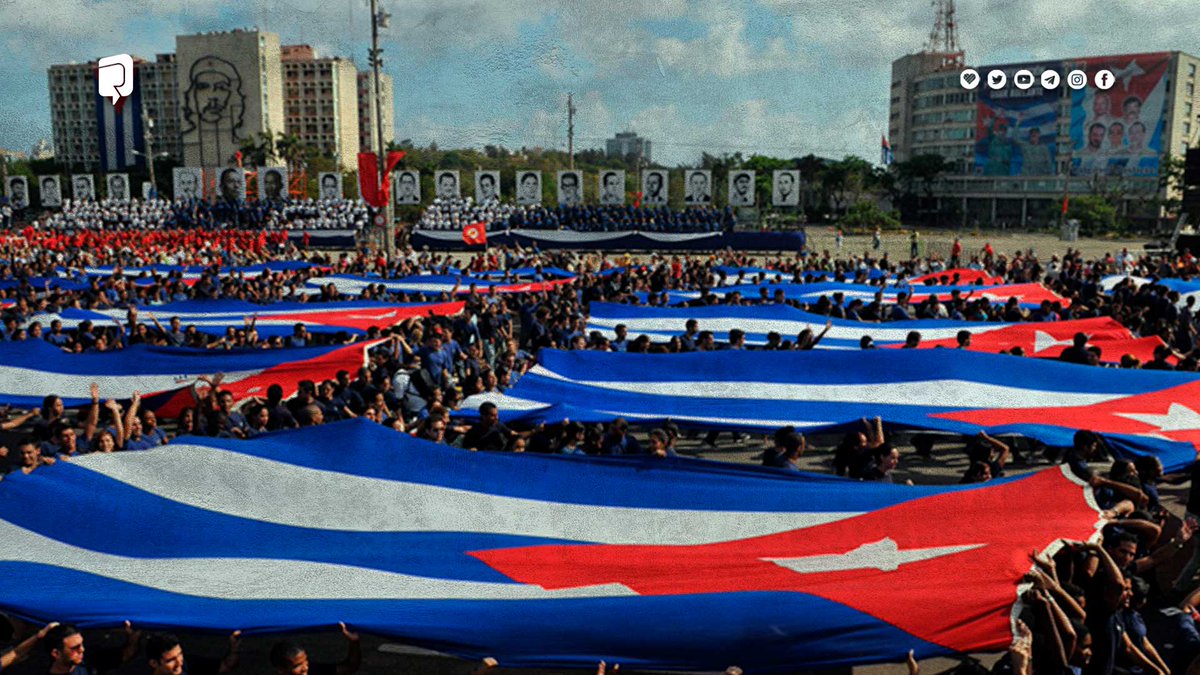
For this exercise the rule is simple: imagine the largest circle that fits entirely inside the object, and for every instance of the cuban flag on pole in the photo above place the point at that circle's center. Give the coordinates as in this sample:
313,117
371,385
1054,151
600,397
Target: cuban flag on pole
538,560
885,151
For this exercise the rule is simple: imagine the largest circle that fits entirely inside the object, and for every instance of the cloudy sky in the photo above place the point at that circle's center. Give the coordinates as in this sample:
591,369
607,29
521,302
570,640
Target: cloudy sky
781,77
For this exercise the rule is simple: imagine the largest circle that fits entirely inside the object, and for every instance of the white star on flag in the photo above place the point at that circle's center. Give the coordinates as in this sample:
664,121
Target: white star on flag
1043,341
1178,418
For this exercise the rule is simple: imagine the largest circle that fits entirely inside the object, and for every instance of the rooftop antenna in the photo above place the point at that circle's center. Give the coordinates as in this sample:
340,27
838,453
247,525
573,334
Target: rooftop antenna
943,39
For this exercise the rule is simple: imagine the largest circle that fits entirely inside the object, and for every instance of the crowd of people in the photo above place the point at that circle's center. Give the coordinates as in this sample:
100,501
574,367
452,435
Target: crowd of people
1088,602
137,214
455,214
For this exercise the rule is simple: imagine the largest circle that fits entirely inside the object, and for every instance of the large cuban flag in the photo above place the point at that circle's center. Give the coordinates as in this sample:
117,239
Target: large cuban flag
1027,295
29,370
537,560
214,316
1140,412
1037,339
431,284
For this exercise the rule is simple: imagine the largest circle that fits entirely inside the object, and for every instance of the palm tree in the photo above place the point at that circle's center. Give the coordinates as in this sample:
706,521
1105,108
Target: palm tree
259,149
292,150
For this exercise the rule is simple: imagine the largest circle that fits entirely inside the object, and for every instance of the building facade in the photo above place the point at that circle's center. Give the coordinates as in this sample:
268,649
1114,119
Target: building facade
366,110
230,89
1017,153
73,115
628,143
321,102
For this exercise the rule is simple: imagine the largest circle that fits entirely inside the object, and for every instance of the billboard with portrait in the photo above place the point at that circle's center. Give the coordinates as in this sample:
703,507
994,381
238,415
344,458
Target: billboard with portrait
51,190
487,186
1118,131
697,187
116,186
188,182
83,186
331,185
529,188
655,187
1016,130
17,191
446,184
272,184
785,187
231,184
570,188
611,187
407,187
741,188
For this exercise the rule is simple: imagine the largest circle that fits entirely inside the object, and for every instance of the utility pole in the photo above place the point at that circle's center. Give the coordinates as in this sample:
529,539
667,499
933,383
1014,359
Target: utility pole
571,132
148,137
380,20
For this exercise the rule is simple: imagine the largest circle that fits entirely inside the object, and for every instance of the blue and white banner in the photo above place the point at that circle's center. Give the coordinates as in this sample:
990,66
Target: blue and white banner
1141,412
537,560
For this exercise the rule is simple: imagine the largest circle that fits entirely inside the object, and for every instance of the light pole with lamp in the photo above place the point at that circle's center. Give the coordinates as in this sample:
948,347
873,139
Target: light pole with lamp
380,19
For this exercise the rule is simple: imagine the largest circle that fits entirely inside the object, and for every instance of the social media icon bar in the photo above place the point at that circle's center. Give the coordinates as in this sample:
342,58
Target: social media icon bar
969,78
1077,79
114,77
1050,79
1023,79
1105,80
997,79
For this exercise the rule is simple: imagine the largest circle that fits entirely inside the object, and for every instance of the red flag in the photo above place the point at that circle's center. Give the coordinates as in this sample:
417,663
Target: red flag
637,202
393,158
368,179
1066,203
237,156
475,234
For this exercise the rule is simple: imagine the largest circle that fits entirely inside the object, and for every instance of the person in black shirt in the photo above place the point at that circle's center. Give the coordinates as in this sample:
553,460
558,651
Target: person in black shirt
64,644
1077,352
164,655
288,658
489,433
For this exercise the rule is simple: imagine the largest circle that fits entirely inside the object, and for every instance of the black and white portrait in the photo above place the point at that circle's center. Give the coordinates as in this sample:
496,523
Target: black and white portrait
570,188
785,188
51,190
231,184
447,184
331,185
654,188
697,187
612,187
148,191
272,184
83,187
17,190
741,188
408,187
529,188
487,186
117,186
188,182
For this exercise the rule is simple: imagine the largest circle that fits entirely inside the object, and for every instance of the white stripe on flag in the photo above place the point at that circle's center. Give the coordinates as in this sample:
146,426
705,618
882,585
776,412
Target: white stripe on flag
219,480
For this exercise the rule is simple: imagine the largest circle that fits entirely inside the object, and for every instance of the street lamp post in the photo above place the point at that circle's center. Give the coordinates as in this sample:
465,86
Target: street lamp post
380,20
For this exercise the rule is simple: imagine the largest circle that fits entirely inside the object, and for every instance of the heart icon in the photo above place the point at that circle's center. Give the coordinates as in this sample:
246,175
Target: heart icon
969,78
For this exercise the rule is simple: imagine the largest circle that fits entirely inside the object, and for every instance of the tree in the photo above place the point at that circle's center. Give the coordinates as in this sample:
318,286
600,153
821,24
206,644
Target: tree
866,215
259,149
1096,215
845,177
923,170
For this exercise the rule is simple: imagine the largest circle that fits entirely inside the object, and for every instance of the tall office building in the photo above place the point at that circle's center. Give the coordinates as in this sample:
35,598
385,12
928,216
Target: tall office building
230,89
216,91
628,143
1019,150
321,102
90,134
366,111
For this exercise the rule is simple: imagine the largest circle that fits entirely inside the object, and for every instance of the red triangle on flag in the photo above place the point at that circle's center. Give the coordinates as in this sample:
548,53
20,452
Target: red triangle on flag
475,234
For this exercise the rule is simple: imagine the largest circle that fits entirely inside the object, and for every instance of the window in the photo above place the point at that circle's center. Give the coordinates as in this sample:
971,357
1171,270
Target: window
1191,70
1191,90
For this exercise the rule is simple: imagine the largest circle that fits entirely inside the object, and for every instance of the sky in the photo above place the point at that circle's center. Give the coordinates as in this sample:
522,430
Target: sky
778,77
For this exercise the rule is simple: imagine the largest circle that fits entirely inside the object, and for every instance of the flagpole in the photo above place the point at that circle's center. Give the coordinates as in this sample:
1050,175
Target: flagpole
389,222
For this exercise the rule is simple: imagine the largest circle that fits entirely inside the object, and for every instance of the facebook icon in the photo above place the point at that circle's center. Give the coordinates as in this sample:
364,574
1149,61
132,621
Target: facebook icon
1105,80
